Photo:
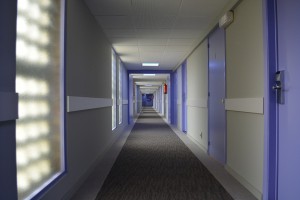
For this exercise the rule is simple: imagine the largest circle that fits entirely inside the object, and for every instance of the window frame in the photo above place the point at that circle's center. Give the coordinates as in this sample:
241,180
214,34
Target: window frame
114,89
120,92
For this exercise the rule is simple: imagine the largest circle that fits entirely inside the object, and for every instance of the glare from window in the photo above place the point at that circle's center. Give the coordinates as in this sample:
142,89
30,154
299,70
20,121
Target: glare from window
120,98
38,81
114,90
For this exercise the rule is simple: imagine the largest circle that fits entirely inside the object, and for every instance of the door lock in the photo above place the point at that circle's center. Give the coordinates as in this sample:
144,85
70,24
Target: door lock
279,86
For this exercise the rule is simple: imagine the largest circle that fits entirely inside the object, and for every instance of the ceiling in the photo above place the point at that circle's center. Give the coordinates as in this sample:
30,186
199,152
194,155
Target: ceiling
163,31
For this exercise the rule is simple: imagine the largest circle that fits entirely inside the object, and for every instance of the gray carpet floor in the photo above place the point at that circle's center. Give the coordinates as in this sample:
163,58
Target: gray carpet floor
155,164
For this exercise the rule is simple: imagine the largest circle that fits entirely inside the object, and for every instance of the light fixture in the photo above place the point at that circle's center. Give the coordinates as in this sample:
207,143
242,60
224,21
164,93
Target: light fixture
148,85
148,74
226,19
150,64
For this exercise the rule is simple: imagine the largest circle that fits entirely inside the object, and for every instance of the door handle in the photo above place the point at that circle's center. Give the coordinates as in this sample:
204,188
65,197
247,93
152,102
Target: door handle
279,86
276,87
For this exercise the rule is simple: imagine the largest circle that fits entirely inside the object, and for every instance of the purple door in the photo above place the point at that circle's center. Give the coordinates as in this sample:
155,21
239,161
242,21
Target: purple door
288,16
217,116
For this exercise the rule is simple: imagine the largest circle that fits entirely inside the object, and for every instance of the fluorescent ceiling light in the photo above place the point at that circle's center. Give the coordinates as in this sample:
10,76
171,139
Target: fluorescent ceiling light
148,85
150,64
149,74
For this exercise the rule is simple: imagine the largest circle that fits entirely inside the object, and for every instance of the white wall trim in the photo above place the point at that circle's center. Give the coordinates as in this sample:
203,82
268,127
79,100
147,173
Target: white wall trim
199,103
244,182
8,106
251,105
75,103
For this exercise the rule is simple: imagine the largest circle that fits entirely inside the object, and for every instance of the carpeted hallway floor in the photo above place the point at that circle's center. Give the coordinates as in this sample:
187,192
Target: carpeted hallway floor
155,164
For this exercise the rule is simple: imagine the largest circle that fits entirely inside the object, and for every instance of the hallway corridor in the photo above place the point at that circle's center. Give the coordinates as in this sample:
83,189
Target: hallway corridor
155,163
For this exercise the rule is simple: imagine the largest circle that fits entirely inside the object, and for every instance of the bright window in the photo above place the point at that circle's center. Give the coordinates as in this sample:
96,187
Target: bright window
120,71
114,90
39,129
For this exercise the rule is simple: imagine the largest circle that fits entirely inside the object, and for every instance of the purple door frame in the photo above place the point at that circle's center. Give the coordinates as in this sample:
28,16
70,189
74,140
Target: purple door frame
184,97
270,149
173,99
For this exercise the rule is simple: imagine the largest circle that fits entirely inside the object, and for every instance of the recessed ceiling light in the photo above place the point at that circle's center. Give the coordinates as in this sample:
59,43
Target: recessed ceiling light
149,74
150,64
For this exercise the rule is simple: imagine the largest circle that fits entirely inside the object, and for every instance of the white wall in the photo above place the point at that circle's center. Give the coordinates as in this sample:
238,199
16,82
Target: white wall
245,79
88,71
197,95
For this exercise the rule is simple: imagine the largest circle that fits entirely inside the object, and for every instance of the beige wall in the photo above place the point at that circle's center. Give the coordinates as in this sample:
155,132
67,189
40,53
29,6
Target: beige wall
245,79
197,94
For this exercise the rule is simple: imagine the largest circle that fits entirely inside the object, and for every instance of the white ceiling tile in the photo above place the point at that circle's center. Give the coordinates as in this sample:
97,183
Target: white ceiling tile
153,33
185,41
177,48
119,33
127,50
154,22
156,7
109,7
157,48
124,41
153,41
198,23
150,56
185,33
115,22
174,54
202,8
163,31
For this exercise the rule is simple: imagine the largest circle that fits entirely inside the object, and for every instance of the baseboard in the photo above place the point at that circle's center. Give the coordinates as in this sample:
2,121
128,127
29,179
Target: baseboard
244,182
203,148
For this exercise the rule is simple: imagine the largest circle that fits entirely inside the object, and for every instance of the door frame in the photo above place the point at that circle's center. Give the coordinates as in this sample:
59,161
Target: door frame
270,178
173,97
184,96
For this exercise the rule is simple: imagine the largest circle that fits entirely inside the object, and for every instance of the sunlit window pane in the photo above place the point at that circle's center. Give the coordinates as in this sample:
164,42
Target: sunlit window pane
38,82
114,90
120,91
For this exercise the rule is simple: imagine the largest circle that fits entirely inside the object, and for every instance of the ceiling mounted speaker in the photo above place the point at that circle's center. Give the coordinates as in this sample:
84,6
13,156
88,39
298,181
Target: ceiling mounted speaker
226,19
